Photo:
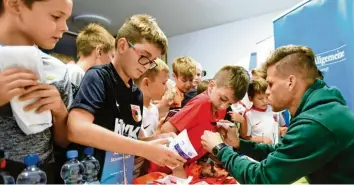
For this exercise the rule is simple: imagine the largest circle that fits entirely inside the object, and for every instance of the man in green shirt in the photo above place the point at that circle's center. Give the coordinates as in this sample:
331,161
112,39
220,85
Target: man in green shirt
319,143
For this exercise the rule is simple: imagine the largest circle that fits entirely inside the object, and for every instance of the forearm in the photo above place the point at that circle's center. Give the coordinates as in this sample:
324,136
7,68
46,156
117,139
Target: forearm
60,128
255,150
90,134
243,129
163,109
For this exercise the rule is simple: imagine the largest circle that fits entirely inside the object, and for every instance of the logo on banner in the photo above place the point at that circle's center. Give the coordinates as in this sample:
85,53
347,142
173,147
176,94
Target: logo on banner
333,56
136,113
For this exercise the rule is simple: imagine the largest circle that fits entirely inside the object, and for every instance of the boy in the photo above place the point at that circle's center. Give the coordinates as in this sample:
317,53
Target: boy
200,73
228,86
153,86
184,71
106,113
260,125
95,46
20,21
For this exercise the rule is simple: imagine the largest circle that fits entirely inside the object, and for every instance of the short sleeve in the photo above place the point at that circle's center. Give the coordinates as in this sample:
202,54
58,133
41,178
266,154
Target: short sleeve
191,114
91,94
249,123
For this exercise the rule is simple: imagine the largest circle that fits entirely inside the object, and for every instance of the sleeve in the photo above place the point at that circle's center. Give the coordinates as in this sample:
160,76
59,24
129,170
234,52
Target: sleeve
281,120
57,74
91,94
247,117
76,77
298,155
188,116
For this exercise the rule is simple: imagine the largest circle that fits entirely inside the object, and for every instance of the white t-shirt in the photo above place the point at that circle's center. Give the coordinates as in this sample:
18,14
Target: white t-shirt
76,73
150,120
262,123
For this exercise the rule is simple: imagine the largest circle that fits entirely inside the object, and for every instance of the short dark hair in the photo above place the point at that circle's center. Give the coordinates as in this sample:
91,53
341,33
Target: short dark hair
235,77
294,59
258,86
27,2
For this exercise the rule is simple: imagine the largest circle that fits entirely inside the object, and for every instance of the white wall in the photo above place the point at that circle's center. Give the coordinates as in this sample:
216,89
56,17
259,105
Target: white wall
230,43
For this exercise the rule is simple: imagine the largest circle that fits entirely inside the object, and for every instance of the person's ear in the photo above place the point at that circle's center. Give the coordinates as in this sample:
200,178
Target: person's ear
122,45
99,51
211,86
291,82
174,76
145,82
13,6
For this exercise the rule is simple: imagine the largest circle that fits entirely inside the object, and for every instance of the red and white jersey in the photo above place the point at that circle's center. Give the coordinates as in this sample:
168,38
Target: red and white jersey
262,123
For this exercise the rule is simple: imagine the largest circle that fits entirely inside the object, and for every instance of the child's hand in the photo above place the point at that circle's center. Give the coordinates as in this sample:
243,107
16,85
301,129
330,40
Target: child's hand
283,130
236,117
159,126
13,83
48,99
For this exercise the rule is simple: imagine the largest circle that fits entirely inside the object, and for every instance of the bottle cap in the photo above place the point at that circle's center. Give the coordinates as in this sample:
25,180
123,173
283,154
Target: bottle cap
31,159
88,151
72,154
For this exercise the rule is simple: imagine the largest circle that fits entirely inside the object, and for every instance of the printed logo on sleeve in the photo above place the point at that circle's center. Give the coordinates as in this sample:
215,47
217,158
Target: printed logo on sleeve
136,113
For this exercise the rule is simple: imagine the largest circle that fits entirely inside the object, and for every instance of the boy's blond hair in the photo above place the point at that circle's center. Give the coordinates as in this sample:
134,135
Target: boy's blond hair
141,27
259,72
258,86
152,73
203,86
235,77
92,36
64,58
185,67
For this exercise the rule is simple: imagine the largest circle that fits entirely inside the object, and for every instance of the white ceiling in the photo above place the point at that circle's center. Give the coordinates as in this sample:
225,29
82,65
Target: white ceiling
176,17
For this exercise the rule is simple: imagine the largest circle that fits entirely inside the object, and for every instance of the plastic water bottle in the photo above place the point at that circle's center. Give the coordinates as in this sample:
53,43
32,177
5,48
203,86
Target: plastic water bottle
32,174
92,166
73,170
5,178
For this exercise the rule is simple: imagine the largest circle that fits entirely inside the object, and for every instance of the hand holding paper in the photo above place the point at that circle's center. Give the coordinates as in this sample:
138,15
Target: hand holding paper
13,83
29,58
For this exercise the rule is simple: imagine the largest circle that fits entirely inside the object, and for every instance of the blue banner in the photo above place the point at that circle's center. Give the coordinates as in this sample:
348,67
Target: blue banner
326,26
253,61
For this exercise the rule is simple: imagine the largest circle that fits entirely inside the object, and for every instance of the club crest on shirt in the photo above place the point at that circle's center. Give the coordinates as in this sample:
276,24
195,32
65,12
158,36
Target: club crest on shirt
136,113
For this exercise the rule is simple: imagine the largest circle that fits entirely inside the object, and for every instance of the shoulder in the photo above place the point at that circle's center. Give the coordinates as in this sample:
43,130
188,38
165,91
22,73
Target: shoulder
54,69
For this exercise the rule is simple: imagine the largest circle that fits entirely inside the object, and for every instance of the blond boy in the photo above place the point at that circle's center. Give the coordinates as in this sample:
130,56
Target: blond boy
95,46
107,110
184,71
153,86
29,23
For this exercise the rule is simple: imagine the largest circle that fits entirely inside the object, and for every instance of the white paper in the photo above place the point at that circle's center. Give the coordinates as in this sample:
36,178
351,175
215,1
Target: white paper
183,146
26,57
170,179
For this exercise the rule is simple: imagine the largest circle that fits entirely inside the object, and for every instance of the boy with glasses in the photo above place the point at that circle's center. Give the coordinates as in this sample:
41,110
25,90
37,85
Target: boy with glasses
107,110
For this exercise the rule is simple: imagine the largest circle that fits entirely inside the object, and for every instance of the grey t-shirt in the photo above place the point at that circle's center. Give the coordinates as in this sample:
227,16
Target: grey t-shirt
17,144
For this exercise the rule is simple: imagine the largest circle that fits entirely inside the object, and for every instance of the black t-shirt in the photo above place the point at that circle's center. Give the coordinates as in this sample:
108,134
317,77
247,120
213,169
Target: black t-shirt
115,107
188,96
